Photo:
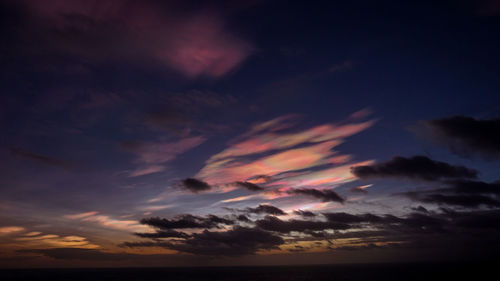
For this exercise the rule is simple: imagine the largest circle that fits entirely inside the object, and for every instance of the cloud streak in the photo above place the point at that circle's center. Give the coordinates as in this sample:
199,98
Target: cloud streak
416,167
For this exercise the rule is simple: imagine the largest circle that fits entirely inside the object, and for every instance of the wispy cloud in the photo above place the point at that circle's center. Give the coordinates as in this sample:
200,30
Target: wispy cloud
280,157
106,221
50,161
150,155
5,230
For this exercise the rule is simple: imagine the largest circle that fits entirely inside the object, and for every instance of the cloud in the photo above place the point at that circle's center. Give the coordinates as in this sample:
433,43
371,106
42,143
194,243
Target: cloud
186,221
271,154
163,234
78,254
236,242
151,154
304,213
266,209
161,152
360,189
248,185
271,223
193,42
469,201
471,186
191,112
461,193
323,195
106,221
6,230
55,241
416,167
41,158
81,215
465,136
195,185
141,171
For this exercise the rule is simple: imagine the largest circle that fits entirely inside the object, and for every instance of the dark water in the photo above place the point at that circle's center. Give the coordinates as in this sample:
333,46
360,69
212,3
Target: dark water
384,272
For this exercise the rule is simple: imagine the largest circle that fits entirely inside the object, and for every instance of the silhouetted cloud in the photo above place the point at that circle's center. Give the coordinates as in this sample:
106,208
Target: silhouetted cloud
271,223
243,218
304,213
462,193
250,186
477,187
186,221
323,195
195,185
466,136
266,209
471,201
163,234
416,167
235,242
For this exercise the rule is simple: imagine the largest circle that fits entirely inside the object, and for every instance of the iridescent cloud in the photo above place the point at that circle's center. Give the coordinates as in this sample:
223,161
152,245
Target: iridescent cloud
271,155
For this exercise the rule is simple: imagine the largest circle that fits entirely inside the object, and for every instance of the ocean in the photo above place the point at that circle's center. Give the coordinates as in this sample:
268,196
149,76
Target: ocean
371,272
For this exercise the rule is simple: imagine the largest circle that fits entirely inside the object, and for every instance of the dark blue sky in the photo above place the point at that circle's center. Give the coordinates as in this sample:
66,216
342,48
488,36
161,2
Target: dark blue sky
113,112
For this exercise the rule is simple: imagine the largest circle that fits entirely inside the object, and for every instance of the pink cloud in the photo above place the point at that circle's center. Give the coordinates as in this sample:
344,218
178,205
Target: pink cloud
285,159
192,43
203,47
275,141
147,170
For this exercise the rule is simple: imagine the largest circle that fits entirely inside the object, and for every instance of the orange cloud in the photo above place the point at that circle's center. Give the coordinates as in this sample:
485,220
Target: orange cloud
5,230
107,221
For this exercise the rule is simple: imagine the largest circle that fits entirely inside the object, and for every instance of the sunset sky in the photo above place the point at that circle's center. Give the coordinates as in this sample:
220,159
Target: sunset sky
193,133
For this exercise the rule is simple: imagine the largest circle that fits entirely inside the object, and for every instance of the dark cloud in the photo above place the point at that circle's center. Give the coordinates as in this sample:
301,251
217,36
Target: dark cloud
420,209
477,187
266,209
163,234
235,242
250,186
271,223
195,185
471,201
466,136
323,195
243,218
461,193
416,167
304,213
40,158
186,221
350,219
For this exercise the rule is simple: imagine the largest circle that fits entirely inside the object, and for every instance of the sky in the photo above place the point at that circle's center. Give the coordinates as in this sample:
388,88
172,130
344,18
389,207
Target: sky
216,133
